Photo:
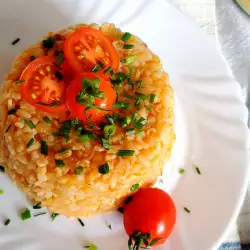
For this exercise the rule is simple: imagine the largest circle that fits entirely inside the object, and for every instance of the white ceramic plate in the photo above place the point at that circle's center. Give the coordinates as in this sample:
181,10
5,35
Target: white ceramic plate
211,126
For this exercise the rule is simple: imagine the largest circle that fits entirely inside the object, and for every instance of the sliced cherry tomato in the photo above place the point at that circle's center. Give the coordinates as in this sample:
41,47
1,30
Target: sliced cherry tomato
85,47
149,217
42,88
93,115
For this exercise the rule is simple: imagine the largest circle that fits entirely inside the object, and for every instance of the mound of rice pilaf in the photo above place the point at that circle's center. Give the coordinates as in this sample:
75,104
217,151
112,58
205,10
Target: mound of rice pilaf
91,192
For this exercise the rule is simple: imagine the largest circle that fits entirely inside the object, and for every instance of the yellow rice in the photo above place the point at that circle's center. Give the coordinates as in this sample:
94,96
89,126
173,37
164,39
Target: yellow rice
91,192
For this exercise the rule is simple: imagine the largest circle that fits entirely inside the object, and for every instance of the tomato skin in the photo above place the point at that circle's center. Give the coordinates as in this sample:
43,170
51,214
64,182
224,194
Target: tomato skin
26,87
77,110
150,211
81,36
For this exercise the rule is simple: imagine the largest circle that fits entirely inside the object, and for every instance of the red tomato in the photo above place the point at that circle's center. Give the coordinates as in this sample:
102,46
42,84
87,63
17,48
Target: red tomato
42,88
93,115
151,211
85,47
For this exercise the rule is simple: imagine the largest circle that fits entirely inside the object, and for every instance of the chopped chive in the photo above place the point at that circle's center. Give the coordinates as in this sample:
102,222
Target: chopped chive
64,150
187,210
78,170
44,148
126,121
49,42
7,130
19,81
152,98
93,247
53,216
128,59
138,103
60,58
75,122
198,170
130,131
109,130
2,169
84,138
104,169
108,70
37,206
110,227
56,65
181,170
125,152
139,125
110,119
42,213
141,96
122,105
25,215
148,107
7,222
139,84
121,210
101,64
60,163
53,104
96,68
126,36
128,96
140,133
1,191
134,116
32,58
16,41
30,124
30,143
135,187
81,222
58,75
47,119
128,46
12,111
130,82
105,143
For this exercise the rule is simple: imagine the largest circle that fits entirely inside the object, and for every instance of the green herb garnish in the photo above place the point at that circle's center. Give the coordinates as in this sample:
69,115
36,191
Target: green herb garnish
141,96
134,116
84,137
25,215
49,42
181,170
187,210
60,163
104,169
110,119
140,133
101,64
7,222
135,187
152,98
16,41
1,191
140,123
60,58
96,68
42,213
126,36
198,170
19,81
108,70
109,130
126,121
139,84
93,247
44,148
105,143
128,46
130,131
12,111
125,152
78,170
128,59
7,130
53,216
148,107
64,150
122,105
46,119
30,124
58,75
30,143
128,96
37,206
81,222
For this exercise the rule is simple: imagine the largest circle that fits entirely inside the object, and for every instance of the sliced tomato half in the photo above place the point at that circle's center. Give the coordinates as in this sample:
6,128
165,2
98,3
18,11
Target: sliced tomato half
86,47
43,86
92,115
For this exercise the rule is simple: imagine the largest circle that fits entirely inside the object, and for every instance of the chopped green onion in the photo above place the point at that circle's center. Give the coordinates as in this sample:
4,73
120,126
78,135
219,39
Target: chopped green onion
137,103
128,96
1,191
64,150
60,163
130,82
19,81
58,75
141,96
134,116
148,107
125,152
130,131
30,143
81,222
109,130
53,216
25,215
139,125
110,119
37,206
75,122
15,41
32,58
139,84
96,68
46,119
135,187
78,170
181,171
128,59
49,42
60,58
122,105
110,227
30,124
12,111
105,143
126,36
7,222
44,148
53,104
42,213
108,70
198,170
140,133
128,46
104,169
2,170
152,98
84,138
126,121
93,247
187,210
101,64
